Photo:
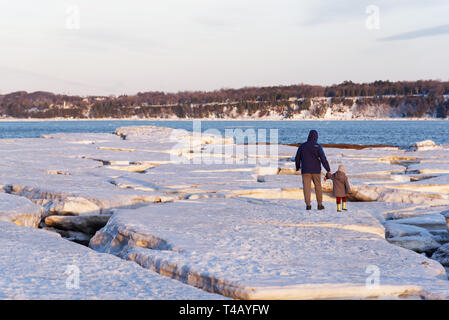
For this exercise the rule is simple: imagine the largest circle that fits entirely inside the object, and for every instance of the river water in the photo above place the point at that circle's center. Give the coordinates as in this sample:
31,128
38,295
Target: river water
402,133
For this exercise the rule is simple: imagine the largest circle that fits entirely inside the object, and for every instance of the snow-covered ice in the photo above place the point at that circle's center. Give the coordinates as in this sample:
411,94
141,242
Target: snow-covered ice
38,264
19,210
182,206
250,249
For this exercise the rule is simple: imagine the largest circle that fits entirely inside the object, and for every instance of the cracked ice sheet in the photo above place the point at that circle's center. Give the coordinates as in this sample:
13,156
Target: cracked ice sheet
51,168
141,144
191,177
87,185
414,211
270,249
62,153
88,178
109,147
439,180
439,183
156,145
375,164
371,169
34,261
212,177
213,181
35,164
430,168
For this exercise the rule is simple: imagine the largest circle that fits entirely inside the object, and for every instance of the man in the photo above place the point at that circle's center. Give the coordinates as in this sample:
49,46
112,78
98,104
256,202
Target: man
309,157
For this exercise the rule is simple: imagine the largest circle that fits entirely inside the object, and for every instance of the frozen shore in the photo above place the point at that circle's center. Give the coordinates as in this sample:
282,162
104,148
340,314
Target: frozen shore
180,214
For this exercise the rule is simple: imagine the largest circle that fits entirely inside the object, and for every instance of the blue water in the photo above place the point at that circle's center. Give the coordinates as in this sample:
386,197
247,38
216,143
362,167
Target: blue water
402,133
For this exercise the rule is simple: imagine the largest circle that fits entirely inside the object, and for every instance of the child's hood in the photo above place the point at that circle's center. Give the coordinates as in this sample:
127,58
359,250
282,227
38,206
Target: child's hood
340,176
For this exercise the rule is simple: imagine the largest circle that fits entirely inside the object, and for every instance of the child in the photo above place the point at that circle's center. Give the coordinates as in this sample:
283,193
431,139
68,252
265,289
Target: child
340,186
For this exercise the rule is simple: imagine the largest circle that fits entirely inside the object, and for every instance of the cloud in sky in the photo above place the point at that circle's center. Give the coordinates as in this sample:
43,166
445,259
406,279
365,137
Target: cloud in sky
101,39
427,32
27,79
331,11
208,44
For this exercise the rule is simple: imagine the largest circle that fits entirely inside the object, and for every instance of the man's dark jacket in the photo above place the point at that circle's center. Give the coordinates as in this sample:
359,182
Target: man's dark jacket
310,155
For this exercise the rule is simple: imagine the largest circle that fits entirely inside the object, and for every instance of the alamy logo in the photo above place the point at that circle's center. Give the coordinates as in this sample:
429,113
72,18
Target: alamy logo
236,146
373,280
72,21
73,277
372,21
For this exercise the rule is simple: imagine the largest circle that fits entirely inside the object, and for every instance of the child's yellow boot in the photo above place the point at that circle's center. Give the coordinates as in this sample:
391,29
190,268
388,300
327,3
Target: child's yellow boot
338,207
344,206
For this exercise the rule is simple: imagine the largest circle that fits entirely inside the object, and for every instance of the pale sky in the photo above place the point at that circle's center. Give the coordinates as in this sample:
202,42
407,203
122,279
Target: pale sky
104,47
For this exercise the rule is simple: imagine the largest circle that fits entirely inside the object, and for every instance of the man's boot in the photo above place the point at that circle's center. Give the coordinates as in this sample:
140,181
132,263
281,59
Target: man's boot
308,207
320,207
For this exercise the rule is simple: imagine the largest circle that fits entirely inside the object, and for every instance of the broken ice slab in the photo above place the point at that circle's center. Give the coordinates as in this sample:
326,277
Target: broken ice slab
19,210
254,249
38,264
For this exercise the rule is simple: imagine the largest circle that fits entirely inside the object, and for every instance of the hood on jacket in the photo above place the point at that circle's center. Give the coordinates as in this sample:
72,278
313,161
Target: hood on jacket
313,136
339,175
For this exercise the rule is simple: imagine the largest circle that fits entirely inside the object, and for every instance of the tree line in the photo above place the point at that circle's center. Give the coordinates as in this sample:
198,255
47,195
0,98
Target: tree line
413,98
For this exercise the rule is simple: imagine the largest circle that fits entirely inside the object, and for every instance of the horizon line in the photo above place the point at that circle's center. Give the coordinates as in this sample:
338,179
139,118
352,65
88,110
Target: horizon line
220,89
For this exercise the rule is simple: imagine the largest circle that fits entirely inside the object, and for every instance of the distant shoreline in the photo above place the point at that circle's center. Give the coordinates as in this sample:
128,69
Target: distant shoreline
208,119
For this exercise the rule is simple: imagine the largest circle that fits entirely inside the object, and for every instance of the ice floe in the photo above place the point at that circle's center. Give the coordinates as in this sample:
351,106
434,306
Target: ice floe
225,218
38,264
261,249
19,210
